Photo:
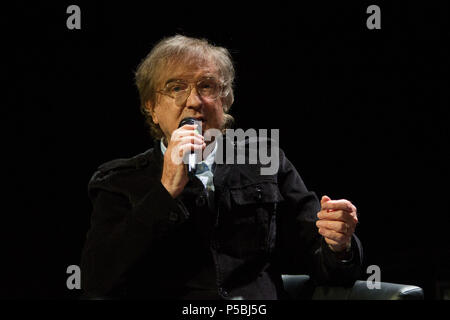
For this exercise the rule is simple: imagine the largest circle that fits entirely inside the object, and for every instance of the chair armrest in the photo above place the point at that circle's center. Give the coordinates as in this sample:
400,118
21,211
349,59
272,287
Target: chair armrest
360,291
297,287
301,287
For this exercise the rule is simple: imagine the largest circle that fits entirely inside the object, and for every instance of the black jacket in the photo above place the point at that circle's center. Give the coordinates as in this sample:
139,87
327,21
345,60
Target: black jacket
144,243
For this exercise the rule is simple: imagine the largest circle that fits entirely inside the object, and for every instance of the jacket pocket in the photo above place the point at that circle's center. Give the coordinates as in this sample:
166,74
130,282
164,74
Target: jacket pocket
252,219
261,192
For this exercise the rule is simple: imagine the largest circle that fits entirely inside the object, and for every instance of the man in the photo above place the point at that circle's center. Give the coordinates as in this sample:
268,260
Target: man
226,231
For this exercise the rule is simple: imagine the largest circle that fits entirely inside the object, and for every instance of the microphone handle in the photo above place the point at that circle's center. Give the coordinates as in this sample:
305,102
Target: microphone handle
192,165
192,158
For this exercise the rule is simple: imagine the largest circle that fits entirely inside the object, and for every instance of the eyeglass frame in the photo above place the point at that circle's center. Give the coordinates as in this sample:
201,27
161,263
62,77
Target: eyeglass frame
222,85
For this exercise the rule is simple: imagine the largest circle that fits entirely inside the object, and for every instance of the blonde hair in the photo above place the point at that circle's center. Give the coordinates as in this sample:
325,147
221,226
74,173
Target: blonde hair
176,51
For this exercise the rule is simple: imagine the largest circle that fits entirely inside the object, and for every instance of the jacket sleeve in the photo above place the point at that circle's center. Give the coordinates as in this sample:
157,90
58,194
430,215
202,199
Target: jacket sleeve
302,250
122,233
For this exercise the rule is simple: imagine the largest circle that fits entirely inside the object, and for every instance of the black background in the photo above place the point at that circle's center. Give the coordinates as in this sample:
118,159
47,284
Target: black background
363,115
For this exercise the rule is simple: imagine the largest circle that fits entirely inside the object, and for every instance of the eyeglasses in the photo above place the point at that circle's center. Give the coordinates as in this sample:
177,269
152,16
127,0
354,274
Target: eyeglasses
208,88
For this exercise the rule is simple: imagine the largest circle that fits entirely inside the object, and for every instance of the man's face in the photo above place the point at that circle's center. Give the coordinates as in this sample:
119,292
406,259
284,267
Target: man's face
168,112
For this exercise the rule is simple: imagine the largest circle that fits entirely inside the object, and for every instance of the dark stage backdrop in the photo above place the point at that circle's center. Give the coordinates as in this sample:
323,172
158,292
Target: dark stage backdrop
363,115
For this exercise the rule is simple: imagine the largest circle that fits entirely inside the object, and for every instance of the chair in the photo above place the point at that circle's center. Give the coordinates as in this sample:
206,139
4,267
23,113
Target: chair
301,287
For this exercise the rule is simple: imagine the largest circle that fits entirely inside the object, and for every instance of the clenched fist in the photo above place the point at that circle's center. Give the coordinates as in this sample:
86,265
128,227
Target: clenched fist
337,222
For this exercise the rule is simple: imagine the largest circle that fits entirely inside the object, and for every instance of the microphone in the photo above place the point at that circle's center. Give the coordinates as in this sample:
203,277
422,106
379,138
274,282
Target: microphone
191,163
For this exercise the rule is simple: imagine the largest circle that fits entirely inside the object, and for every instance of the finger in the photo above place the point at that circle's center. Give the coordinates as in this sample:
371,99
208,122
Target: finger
179,151
354,216
339,215
324,199
338,205
345,227
333,235
185,133
190,147
338,226
191,139
188,127
184,129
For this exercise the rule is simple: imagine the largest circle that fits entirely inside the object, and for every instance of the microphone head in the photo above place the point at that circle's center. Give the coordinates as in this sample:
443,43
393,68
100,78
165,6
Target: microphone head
188,120
191,120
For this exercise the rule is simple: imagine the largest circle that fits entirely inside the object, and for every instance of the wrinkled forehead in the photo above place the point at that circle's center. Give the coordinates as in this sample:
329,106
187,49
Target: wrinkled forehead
188,69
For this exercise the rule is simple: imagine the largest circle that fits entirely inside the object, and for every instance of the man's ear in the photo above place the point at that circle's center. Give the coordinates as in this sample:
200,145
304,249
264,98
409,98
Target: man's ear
150,109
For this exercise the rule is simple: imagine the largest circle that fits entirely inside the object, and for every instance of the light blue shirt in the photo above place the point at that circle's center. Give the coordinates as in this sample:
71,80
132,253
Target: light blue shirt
203,171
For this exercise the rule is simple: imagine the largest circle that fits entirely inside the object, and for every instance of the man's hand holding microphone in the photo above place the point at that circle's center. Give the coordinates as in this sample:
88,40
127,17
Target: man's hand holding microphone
184,141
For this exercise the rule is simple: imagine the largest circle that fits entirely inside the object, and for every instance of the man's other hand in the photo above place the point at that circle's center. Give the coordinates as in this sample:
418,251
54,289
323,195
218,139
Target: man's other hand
337,222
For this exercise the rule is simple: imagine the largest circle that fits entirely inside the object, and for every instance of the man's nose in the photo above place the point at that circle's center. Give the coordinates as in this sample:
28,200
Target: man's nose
194,100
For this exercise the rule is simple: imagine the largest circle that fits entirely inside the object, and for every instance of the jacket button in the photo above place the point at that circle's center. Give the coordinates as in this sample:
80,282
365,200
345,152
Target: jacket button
258,194
200,201
223,292
173,216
